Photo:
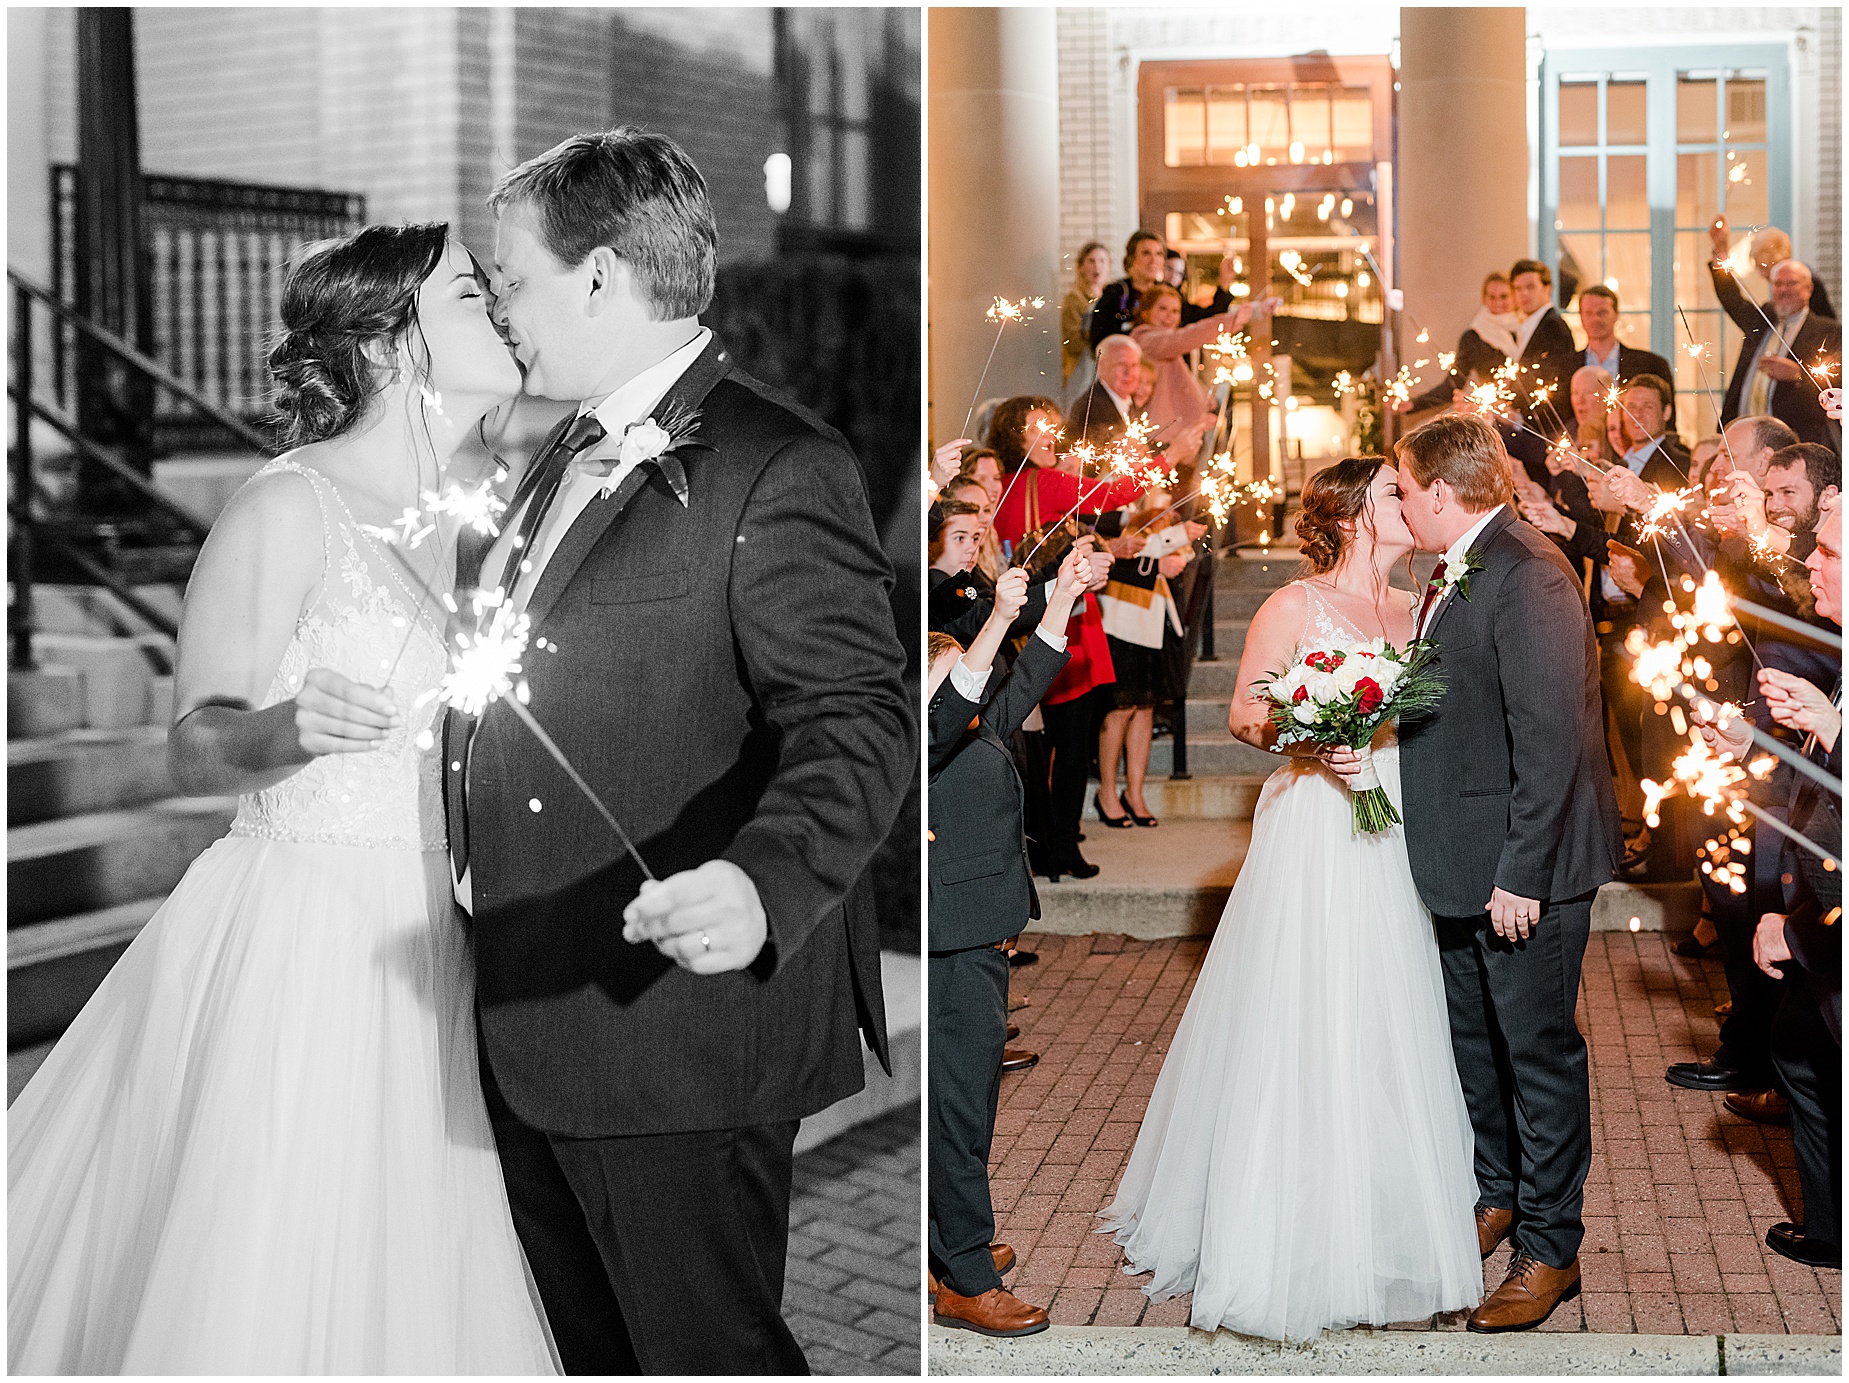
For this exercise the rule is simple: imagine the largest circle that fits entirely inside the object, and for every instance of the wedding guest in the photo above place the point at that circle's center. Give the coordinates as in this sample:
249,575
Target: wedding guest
989,563
1175,269
1488,343
1044,484
982,465
953,544
1768,248
981,897
1701,457
1088,273
1106,412
1598,315
1548,353
1179,407
1798,480
1145,257
1771,374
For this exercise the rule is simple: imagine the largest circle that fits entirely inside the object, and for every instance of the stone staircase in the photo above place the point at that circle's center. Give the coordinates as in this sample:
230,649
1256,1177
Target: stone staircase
1174,880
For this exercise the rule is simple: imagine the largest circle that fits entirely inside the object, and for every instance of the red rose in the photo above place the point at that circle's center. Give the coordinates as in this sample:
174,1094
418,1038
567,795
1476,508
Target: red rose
1301,694
1370,696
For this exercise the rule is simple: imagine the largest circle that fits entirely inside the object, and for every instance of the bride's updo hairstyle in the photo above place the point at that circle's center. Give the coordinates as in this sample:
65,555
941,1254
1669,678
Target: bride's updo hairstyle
1334,496
340,296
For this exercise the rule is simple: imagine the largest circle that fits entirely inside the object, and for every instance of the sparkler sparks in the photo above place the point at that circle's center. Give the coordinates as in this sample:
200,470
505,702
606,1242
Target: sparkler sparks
477,509
1002,310
484,666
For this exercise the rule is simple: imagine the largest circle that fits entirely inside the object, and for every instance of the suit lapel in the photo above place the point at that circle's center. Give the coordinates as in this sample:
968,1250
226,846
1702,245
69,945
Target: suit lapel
709,367
1491,531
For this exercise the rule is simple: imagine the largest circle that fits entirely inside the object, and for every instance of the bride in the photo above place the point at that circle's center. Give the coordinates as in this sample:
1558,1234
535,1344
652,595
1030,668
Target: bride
261,1147
1305,1162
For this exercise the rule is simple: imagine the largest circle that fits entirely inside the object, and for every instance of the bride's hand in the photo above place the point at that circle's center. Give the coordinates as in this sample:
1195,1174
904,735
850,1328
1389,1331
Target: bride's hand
1342,761
336,715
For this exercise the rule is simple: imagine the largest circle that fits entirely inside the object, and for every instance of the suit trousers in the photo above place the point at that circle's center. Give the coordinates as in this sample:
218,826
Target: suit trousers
1072,740
969,1027
655,1253
1810,1069
1522,1062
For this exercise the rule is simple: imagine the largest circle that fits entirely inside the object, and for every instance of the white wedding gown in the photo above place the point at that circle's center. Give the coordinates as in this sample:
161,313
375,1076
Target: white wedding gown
262,1147
1306,1159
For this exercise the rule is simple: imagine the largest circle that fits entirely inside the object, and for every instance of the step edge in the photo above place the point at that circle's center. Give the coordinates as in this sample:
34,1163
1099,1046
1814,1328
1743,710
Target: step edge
37,943
96,827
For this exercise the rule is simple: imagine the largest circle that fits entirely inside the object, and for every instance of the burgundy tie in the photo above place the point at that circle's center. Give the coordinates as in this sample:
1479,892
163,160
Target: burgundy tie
1432,589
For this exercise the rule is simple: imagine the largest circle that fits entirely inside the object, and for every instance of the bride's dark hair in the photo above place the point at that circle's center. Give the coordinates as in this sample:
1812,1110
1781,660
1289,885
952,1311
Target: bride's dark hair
1334,496
341,296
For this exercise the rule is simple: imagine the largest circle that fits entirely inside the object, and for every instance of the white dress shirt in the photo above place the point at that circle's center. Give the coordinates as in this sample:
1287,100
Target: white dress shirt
1123,404
1454,562
629,403
1609,364
974,686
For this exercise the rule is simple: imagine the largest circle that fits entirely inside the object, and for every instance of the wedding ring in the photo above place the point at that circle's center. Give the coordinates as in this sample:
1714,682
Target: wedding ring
706,942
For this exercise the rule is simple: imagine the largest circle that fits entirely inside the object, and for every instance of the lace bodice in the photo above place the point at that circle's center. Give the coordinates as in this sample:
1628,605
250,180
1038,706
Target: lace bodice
364,623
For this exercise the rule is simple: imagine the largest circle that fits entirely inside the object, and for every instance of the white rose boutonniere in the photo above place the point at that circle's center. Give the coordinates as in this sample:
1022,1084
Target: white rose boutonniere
653,441
1458,578
645,441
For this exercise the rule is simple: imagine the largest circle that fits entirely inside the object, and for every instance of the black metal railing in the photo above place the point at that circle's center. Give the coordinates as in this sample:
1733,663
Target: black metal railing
216,255
30,507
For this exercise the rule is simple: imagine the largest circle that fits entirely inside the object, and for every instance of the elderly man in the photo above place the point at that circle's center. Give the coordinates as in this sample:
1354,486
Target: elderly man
1768,248
1106,410
1771,376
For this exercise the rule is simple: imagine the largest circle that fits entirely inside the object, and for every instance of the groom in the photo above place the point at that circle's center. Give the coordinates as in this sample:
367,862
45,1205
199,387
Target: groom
1511,826
713,650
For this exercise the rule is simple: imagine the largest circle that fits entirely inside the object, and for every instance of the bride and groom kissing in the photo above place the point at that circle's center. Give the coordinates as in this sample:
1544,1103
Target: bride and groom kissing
415,1071
1379,1078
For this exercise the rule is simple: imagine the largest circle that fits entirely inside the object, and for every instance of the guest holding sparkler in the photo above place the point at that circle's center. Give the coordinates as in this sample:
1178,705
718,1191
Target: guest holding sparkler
1766,249
1104,415
1548,354
1044,483
1145,265
1598,315
1487,345
1783,345
1180,408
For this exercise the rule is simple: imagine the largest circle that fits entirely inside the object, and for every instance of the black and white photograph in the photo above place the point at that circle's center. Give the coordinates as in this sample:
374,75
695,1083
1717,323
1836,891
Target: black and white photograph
463,757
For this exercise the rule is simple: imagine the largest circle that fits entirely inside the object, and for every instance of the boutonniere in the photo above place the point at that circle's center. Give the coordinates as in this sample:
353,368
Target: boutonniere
1458,579
654,440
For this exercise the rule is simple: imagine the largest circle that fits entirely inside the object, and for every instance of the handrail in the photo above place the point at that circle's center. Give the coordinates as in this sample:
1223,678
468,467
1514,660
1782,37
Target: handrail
108,458
106,578
159,373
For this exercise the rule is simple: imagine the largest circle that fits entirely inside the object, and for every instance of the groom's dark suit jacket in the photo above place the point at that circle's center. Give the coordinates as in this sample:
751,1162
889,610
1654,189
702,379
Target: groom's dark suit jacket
1506,781
726,675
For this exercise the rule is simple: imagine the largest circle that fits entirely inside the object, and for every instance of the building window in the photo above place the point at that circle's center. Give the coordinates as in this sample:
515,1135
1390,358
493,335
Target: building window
1252,126
1641,150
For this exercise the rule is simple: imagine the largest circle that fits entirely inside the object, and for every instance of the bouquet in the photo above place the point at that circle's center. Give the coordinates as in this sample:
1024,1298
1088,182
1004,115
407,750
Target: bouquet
1342,695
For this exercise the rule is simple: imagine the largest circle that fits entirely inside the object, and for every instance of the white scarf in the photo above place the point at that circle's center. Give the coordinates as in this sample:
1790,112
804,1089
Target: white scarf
1526,333
1498,330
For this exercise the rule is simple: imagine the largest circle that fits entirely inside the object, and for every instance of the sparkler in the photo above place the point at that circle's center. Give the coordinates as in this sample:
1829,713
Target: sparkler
1809,373
1001,312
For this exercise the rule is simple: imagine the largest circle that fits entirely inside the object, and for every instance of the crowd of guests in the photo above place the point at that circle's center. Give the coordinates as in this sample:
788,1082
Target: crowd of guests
1062,603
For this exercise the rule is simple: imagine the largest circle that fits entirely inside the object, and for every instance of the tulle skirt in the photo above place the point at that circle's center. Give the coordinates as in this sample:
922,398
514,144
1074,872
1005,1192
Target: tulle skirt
262,1147
1306,1159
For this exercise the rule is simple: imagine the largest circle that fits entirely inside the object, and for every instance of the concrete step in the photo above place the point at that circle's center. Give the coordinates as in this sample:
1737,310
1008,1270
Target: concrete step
96,610
1216,753
44,701
1235,573
902,978
85,771
53,967
1207,716
97,860
1219,680
1174,881
1203,797
121,676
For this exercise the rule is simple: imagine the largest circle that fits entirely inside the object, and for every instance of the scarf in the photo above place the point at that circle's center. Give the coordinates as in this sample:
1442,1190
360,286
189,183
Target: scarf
1498,330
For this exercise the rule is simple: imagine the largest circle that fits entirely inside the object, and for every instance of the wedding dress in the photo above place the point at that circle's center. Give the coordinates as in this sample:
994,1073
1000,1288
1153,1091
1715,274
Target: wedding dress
262,1147
1306,1159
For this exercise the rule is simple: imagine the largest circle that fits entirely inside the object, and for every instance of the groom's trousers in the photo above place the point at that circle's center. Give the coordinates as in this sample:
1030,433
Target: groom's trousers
968,1006
1522,1062
655,1254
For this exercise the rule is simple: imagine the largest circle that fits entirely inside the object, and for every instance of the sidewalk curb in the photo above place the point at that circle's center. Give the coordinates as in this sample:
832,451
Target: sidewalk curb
1180,1350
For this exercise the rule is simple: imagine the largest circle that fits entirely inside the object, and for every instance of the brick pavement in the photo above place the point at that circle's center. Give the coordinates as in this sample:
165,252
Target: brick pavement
1677,1204
854,1272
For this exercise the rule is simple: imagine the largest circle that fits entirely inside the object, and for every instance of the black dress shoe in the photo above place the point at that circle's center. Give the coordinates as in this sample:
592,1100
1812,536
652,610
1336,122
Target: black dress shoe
1019,957
1078,866
1710,1075
1689,947
1791,1242
1116,823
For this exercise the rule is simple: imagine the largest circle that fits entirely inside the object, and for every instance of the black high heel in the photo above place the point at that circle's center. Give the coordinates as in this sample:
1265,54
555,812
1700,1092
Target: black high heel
1141,820
1116,823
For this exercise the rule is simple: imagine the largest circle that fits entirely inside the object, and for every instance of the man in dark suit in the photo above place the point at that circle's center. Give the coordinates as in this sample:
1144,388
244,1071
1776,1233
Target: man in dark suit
1778,348
1769,248
1511,827
1549,355
1145,265
1598,315
981,896
1103,415
713,650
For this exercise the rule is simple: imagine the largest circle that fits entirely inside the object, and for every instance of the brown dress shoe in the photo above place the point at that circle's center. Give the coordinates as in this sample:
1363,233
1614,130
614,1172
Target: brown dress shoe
1527,1297
1014,1031
1002,1254
1014,1059
1493,1224
997,1312
1761,1106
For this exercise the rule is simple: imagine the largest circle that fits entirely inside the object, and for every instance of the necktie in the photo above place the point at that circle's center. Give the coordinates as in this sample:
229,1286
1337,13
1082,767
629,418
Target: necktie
1760,394
1431,596
457,727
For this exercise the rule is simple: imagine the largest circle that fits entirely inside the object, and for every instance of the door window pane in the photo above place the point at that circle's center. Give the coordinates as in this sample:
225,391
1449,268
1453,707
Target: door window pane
1352,125
1746,187
1627,193
1626,112
1270,117
1696,108
1746,109
1579,192
1226,122
1697,189
1694,286
1309,121
1627,268
1579,112
1184,127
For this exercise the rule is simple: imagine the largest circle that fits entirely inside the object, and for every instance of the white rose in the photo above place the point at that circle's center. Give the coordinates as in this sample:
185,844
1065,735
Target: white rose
1304,712
644,442
1324,687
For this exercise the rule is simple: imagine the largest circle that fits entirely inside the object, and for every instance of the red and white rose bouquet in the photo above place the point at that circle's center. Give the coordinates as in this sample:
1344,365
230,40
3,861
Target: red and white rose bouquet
1342,695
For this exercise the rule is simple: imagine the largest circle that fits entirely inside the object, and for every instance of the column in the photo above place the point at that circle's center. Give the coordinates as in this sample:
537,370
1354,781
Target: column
993,82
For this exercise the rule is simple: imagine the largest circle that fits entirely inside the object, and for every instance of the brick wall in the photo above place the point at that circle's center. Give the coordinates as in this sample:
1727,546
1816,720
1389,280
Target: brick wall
1084,137
1827,257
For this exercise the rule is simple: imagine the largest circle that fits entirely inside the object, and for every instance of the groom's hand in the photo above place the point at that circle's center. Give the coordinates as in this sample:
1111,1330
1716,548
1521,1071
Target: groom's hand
1512,915
707,920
